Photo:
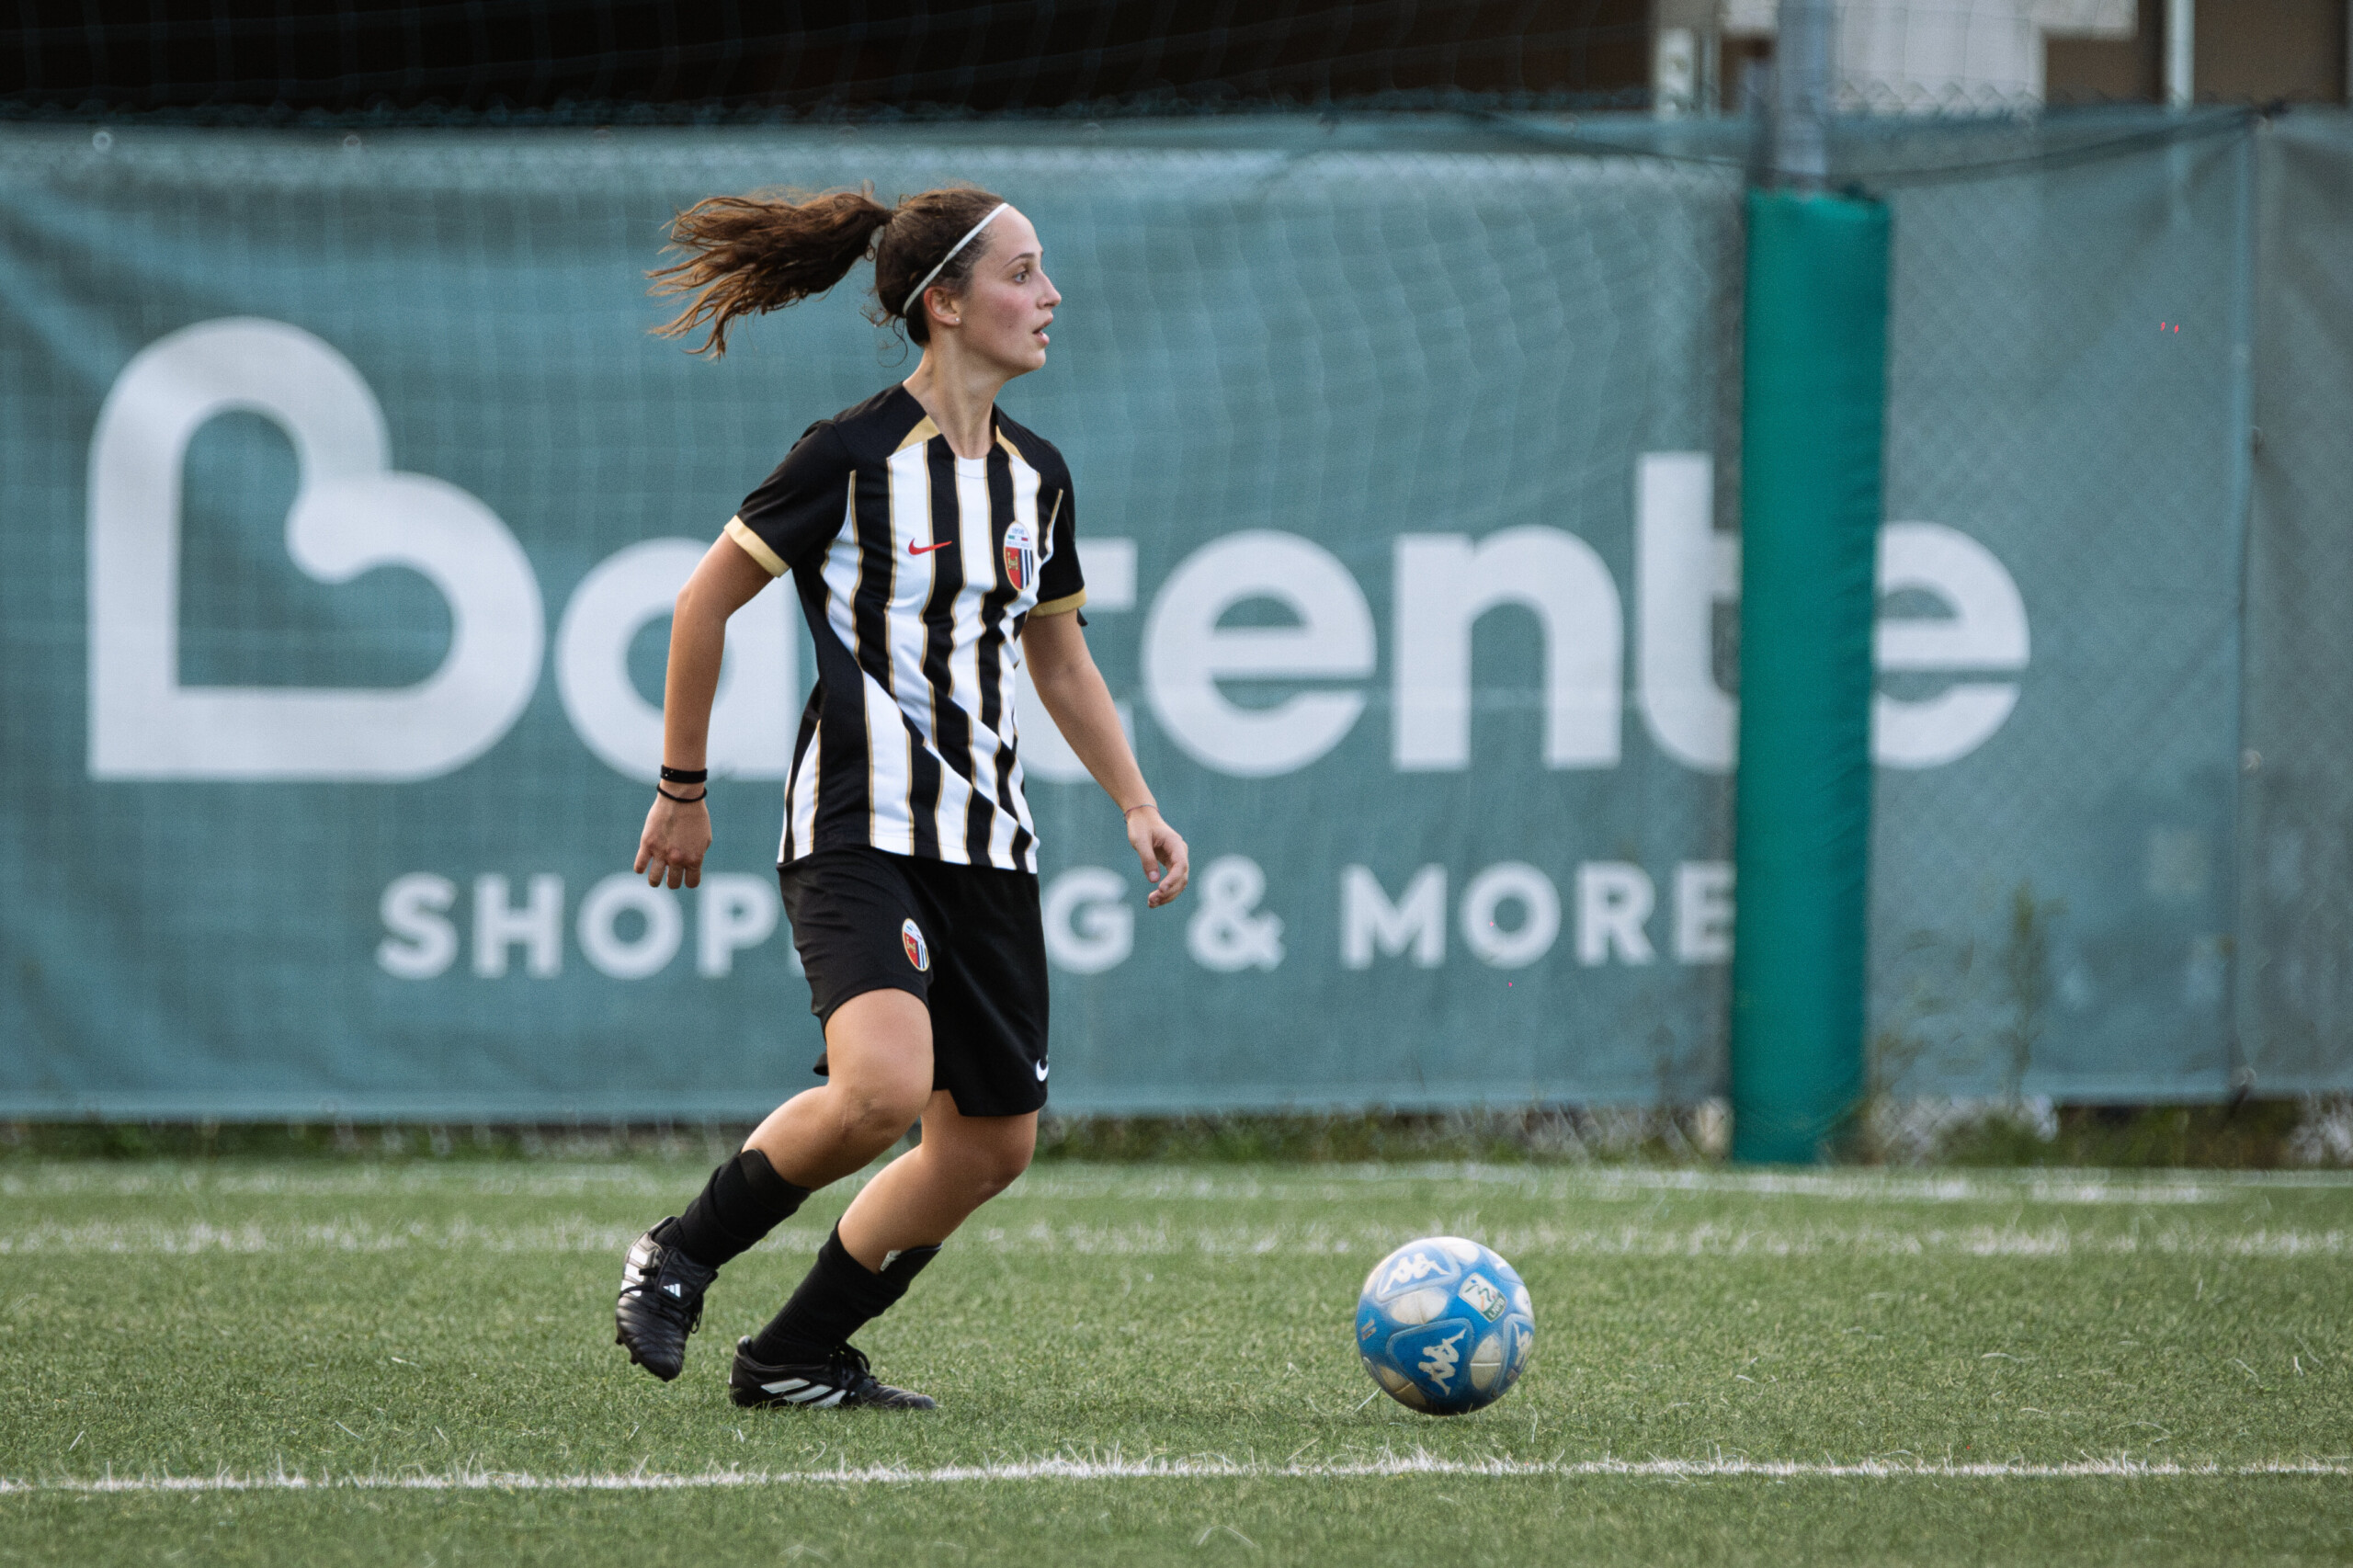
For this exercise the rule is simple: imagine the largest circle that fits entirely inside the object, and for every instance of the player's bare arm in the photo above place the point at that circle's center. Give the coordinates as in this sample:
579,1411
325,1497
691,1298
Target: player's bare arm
678,825
1072,688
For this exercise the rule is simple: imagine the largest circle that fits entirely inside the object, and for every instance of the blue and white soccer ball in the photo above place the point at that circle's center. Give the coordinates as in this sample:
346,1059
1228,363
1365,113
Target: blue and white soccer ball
1444,1325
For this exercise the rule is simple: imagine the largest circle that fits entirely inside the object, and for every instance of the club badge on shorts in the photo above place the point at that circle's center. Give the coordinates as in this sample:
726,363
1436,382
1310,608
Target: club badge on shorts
911,938
1021,557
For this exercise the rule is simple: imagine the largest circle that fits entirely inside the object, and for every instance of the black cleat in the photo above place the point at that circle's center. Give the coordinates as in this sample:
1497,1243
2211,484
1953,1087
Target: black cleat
839,1381
661,1304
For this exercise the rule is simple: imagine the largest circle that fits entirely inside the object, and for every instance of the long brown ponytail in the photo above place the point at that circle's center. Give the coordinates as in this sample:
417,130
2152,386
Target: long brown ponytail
748,254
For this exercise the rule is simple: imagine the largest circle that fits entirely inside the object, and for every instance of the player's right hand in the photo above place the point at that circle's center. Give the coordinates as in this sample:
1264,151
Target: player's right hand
676,839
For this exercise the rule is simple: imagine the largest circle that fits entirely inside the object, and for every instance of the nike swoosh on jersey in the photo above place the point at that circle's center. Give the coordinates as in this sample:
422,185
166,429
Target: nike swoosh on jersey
914,549
1042,1072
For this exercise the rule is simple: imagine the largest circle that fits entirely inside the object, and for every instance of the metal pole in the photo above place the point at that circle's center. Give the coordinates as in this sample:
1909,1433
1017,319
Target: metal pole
2181,52
1801,53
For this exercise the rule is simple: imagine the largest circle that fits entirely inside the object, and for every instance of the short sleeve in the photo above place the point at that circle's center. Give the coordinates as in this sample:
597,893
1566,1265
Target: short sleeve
799,509
1060,588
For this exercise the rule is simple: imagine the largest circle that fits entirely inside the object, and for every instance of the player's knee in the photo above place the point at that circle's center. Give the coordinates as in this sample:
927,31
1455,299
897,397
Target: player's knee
881,1111
993,1165
1009,1167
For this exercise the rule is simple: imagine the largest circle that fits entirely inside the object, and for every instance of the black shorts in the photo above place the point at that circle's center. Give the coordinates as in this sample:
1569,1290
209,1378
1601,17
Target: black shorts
966,940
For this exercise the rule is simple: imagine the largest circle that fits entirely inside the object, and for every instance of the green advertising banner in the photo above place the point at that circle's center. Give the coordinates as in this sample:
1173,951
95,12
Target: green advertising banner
347,493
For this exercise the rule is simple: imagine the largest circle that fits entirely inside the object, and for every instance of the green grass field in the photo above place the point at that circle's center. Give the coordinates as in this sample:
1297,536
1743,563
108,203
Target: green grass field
323,1363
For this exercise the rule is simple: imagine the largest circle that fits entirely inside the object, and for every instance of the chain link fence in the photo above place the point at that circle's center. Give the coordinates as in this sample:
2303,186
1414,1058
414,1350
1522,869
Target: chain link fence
2294,861
2066,394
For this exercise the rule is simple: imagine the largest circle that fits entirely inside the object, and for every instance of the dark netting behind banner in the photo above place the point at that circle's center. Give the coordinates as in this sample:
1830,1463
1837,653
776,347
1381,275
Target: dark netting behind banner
589,61
347,494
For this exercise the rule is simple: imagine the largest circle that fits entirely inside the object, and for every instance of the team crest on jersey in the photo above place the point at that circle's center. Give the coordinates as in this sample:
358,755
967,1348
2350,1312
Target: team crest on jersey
911,938
1021,557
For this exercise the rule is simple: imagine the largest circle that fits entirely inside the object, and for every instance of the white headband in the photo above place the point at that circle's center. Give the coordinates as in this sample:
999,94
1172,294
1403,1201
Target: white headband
970,236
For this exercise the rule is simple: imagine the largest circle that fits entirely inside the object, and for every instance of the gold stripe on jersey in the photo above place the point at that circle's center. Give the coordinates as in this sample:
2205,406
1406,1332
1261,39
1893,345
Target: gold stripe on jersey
753,546
924,431
1063,605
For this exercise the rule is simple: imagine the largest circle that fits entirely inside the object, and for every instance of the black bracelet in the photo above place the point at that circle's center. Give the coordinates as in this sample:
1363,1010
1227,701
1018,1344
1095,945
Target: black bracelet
685,774
684,800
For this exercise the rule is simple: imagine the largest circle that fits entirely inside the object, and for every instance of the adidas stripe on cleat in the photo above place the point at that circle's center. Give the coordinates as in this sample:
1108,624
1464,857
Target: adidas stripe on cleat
841,1381
660,1304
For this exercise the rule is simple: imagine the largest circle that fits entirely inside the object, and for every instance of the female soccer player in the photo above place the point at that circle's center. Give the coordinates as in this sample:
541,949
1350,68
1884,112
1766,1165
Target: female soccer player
932,541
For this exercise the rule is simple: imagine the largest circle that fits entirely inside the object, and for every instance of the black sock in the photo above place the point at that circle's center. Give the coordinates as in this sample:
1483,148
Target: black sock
744,1200
840,1296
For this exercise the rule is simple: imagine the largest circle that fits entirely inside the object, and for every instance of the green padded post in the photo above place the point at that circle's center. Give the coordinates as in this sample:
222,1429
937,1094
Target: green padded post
1813,393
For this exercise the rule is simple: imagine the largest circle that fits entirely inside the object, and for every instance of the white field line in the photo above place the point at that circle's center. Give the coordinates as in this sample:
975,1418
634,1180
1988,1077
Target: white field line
1176,1470
620,1179
1160,1239
2051,1186
2062,1187
1198,1183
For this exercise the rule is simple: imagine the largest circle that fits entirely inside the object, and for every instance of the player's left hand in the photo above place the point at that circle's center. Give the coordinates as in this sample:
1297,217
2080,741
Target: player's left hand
676,837
1166,862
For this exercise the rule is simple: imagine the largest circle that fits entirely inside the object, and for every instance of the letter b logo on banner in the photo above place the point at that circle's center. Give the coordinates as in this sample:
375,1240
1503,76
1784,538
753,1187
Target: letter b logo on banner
352,513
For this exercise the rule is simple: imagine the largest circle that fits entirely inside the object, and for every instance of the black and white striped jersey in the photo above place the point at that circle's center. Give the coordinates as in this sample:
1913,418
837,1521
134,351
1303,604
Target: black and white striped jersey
916,569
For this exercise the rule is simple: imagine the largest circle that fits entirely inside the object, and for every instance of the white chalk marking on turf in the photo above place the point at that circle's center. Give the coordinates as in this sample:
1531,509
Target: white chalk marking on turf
2055,1185
1181,1470
658,1179
1722,1239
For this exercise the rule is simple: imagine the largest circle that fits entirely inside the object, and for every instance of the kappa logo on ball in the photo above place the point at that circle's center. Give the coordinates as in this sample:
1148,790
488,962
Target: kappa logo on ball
1409,1270
1484,1299
1021,557
1438,1363
911,938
